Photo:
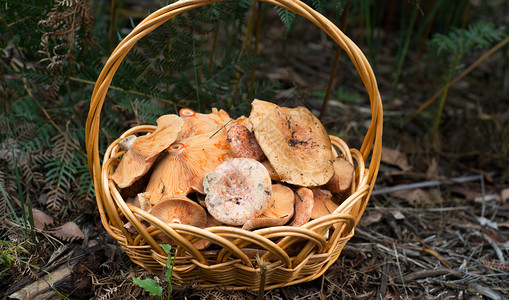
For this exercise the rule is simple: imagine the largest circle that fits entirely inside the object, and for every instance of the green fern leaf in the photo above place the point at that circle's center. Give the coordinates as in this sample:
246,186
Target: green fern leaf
287,17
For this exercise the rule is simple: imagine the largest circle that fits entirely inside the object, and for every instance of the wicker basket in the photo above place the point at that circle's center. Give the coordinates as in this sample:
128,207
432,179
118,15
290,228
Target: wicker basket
291,254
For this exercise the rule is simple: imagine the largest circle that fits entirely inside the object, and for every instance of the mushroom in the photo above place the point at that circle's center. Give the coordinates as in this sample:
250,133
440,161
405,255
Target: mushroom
295,143
143,151
343,176
204,243
272,173
184,164
322,203
242,120
243,144
142,201
279,209
237,190
303,206
196,123
180,210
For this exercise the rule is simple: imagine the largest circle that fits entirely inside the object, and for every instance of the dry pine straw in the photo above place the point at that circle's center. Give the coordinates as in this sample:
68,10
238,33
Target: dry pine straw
397,252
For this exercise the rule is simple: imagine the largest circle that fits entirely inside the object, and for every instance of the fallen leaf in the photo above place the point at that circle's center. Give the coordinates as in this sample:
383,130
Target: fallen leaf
398,215
395,158
413,196
69,232
41,219
371,219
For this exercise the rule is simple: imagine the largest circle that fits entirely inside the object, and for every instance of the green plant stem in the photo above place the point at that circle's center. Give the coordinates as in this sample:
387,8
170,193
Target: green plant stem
436,124
245,43
426,26
126,91
113,22
404,50
18,221
20,191
335,65
258,29
13,40
214,44
369,29
459,77
444,95
51,285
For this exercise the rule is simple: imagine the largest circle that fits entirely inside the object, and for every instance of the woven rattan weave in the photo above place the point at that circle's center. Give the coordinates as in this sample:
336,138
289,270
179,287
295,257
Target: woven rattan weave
292,254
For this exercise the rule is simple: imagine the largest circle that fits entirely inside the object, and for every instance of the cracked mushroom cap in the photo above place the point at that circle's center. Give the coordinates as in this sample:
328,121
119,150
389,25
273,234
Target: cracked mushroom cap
279,209
143,151
323,204
197,123
343,176
184,165
237,190
295,143
304,203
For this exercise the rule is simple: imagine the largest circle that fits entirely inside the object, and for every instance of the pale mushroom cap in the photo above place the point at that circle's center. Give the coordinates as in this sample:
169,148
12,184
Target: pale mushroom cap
295,143
303,206
180,210
144,150
323,204
243,143
343,176
237,190
177,174
279,209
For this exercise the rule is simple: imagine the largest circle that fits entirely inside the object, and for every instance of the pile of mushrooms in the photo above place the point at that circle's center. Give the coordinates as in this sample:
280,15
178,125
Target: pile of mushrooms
275,167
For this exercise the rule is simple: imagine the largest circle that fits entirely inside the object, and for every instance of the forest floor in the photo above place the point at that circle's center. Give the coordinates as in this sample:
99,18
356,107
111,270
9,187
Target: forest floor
442,239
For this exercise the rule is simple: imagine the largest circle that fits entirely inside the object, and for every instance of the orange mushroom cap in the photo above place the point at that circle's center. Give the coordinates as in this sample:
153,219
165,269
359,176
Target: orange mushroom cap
237,190
279,209
303,206
295,143
197,123
144,150
343,176
323,204
184,165
180,210
243,143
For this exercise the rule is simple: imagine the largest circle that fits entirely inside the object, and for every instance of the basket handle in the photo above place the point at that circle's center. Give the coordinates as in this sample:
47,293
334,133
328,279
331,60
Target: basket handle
372,143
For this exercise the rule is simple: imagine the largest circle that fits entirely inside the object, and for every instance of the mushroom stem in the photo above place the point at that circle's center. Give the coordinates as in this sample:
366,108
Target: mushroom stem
127,142
176,149
187,113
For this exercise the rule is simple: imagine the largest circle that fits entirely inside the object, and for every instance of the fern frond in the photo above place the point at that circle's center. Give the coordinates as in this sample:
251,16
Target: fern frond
287,17
67,30
319,5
